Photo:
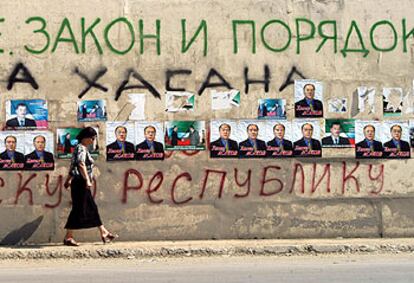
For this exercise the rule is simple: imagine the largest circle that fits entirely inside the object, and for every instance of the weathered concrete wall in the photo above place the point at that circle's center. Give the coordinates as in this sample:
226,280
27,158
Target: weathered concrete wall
260,198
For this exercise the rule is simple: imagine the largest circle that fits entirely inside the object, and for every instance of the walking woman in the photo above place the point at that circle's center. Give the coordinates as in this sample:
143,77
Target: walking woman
84,213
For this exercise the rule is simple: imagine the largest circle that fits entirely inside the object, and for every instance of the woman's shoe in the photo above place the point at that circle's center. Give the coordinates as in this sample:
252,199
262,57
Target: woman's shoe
70,242
109,238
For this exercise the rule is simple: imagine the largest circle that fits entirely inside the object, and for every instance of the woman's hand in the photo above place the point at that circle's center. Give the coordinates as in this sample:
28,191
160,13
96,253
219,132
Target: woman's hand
88,184
67,183
84,172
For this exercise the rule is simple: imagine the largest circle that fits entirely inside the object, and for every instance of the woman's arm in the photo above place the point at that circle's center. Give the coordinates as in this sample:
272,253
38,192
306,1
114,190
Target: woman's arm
84,173
68,181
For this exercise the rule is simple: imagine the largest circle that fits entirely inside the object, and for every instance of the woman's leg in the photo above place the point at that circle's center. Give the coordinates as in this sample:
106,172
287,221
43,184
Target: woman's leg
106,236
69,234
68,240
103,231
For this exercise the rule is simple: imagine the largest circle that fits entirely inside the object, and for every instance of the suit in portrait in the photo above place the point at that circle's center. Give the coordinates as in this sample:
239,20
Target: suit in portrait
392,151
174,138
7,164
14,123
365,149
299,147
329,141
18,157
114,149
302,108
217,149
32,161
47,156
260,147
287,147
142,151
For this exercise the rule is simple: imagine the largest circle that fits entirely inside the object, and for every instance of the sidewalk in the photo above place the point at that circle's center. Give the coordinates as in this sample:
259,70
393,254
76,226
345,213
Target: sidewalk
131,250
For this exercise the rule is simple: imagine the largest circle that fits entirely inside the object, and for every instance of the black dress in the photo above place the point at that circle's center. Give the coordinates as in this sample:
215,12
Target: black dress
67,146
174,138
84,213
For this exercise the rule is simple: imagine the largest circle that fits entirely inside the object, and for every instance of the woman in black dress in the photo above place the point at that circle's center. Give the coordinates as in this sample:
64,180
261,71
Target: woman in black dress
84,213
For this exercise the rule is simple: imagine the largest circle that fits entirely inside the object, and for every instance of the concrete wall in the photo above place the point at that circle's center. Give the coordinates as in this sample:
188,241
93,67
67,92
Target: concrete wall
281,198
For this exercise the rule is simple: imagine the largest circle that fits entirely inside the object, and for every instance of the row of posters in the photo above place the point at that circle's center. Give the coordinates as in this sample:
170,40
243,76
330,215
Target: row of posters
26,150
308,98
302,138
259,139
149,140
33,113
34,150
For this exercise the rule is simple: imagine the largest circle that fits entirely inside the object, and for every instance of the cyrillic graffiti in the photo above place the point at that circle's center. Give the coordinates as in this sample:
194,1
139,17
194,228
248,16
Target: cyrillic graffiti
275,36
94,79
271,180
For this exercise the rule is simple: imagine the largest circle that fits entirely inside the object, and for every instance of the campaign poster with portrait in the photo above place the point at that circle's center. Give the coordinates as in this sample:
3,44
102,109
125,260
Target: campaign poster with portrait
12,150
92,110
29,114
308,99
392,101
306,136
120,141
368,139
221,100
185,135
339,133
179,101
66,143
39,153
251,135
223,143
149,138
279,139
270,108
395,138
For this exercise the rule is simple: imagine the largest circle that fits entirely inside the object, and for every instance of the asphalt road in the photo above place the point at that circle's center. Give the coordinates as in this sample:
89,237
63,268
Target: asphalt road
318,269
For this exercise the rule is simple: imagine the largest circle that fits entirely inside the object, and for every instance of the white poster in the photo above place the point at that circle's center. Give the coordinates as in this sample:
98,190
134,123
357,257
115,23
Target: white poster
138,101
392,101
365,97
179,101
338,105
225,99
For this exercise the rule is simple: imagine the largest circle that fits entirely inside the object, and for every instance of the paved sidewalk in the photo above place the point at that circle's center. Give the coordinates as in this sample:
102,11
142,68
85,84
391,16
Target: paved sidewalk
131,250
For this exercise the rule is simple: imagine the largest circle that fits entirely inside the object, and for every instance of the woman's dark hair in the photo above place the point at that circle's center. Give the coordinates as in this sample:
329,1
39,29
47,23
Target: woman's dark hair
87,132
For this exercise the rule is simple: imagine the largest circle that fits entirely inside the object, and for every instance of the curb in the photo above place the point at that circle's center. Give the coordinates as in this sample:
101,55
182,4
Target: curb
96,252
